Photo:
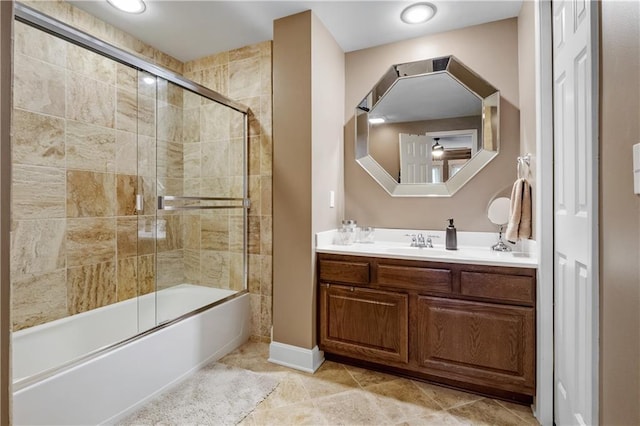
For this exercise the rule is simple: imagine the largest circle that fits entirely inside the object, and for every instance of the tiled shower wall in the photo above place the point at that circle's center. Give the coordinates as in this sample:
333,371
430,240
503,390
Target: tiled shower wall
245,75
74,234
41,290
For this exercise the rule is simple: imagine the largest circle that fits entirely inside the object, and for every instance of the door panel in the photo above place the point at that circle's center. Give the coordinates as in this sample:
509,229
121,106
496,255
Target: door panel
575,207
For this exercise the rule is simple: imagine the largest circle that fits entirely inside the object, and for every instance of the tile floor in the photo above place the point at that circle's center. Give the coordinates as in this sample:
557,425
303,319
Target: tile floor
339,394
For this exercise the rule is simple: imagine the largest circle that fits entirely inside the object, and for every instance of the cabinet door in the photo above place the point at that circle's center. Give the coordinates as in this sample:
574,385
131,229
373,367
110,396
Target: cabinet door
482,343
369,324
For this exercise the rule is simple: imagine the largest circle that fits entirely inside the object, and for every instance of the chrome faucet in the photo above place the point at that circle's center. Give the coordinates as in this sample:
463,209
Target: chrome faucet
419,241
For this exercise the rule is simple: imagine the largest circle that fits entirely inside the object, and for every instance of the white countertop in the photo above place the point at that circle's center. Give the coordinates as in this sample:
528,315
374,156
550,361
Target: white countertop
473,248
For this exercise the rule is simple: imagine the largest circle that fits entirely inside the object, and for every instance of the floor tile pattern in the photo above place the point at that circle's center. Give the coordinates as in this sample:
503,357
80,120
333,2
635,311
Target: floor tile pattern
339,394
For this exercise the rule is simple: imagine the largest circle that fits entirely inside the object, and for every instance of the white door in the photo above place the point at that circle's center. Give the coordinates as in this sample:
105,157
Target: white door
575,206
415,157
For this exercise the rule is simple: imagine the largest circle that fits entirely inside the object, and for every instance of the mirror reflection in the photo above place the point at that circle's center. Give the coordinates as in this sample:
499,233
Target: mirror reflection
425,123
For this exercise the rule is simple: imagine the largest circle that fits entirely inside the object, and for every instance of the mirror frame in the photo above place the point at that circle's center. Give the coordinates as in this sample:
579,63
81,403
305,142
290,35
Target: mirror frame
450,65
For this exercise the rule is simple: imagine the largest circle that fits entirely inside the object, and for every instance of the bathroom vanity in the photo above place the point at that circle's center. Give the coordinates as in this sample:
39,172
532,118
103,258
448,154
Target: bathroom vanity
463,319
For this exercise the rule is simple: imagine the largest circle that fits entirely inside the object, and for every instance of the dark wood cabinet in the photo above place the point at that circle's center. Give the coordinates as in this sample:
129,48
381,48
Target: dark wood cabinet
361,322
468,326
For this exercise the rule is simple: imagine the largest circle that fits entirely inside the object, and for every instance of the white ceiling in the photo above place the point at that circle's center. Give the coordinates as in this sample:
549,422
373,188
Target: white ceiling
430,97
192,29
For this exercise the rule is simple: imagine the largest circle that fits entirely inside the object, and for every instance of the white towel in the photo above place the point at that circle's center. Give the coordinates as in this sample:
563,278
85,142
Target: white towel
519,226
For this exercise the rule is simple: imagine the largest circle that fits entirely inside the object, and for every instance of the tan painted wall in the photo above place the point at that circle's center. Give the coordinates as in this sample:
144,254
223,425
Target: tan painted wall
6,21
292,226
527,84
620,215
327,67
308,86
492,51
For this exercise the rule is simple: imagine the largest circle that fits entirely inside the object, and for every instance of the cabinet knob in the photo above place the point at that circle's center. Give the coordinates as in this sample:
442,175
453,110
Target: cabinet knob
351,289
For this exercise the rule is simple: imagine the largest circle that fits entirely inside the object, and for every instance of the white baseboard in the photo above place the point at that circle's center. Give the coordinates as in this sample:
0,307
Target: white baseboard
307,360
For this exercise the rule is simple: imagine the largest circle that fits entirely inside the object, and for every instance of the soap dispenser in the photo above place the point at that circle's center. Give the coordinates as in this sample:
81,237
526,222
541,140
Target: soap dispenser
451,238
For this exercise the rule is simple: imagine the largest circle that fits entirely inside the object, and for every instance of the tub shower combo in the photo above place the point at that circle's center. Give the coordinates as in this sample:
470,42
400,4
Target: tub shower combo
129,263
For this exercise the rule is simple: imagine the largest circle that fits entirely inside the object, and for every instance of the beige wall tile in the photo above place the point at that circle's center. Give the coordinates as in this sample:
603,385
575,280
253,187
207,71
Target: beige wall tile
214,234
146,116
216,187
146,274
236,126
38,298
255,195
126,190
170,159
244,80
126,237
146,235
126,110
169,124
191,187
236,271
127,280
91,286
92,65
265,315
236,157
169,93
216,78
90,194
126,78
39,86
266,155
192,159
266,232
254,155
266,69
126,153
245,52
90,101
266,271
37,192
170,186
215,159
266,114
170,269
192,266
266,195
191,230
173,233
39,45
90,147
214,122
37,246
236,239
191,125
255,234
254,275
38,139
146,156
214,266
90,241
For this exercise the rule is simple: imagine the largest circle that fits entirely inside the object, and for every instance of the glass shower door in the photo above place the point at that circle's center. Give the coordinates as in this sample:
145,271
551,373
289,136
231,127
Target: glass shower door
201,215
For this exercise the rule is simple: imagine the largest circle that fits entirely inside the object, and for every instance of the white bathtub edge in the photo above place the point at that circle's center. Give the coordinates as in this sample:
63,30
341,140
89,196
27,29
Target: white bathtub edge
235,343
307,360
109,387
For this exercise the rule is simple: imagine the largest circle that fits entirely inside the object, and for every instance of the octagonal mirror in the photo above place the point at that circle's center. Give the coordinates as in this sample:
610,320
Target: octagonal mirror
427,128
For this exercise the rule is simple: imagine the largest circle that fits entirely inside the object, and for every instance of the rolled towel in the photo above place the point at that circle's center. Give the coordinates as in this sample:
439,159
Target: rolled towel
519,226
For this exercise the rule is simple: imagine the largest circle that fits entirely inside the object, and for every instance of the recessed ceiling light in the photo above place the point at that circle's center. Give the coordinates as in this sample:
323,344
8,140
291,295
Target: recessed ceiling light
418,13
129,6
376,120
149,80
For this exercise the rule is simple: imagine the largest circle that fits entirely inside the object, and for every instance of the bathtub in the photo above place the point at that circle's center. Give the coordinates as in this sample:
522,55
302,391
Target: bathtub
114,379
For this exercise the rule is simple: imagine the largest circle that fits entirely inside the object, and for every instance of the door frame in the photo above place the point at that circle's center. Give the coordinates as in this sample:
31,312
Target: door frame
544,230
544,193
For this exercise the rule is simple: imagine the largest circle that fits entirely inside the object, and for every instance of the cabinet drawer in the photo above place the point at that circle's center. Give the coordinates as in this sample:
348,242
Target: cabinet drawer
500,287
415,278
344,271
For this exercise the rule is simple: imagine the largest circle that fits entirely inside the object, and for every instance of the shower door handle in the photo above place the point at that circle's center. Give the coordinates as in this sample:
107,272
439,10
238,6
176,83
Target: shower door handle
231,203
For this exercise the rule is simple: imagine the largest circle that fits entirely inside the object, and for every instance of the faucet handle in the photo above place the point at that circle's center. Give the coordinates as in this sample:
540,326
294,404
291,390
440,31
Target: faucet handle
413,239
